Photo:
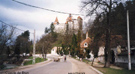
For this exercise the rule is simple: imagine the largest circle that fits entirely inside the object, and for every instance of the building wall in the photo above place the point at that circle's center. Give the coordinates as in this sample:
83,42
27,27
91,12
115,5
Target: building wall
60,28
118,59
124,59
101,51
72,26
54,51
101,59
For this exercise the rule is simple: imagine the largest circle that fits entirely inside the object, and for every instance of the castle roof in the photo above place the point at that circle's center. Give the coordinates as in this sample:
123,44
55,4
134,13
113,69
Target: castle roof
56,21
79,17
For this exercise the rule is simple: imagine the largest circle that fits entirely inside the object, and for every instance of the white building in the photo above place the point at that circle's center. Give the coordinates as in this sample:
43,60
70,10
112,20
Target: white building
101,54
71,24
54,51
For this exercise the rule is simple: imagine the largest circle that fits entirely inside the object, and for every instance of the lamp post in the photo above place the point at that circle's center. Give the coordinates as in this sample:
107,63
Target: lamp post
34,49
128,40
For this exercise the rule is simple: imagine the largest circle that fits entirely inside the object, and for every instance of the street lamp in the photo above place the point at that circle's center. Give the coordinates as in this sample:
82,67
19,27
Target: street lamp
128,40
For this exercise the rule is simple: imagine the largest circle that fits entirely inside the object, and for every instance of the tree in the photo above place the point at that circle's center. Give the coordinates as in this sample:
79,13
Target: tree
8,51
79,52
73,45
94,50
51,31
22,43
106,7
26,34
6,39
52,28
17,51
58,50
130,5
44,45
6,36
46,30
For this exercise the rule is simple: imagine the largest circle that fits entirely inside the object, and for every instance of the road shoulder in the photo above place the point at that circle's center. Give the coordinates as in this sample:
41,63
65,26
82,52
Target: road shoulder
27,66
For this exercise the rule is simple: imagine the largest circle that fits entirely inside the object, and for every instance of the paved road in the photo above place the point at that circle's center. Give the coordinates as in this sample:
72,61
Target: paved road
70,66
51,68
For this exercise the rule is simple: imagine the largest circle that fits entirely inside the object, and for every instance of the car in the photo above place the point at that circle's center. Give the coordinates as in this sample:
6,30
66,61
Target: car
56,59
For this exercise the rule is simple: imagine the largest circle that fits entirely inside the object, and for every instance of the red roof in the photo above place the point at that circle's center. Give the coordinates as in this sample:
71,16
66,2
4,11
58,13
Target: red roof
87,40
79,17
56,21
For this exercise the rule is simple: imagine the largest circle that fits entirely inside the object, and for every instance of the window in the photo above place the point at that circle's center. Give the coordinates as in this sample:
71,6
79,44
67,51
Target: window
85,44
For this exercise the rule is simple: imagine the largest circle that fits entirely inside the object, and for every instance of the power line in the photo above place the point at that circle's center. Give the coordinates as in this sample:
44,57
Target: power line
12,26
44,8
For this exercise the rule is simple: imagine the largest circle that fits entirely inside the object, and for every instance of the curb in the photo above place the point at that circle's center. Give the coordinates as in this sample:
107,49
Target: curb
99,72
27,66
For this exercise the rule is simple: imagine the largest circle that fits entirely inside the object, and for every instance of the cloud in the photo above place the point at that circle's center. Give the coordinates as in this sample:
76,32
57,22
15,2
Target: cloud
28,18
17,6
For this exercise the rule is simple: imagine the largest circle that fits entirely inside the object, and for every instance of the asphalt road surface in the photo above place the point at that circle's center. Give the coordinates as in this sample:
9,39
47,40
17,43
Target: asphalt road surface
71,66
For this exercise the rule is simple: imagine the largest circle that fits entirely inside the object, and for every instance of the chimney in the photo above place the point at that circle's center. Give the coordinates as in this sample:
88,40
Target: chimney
87,35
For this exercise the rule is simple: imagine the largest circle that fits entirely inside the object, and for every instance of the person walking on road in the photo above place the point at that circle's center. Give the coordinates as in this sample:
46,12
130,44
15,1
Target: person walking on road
65,58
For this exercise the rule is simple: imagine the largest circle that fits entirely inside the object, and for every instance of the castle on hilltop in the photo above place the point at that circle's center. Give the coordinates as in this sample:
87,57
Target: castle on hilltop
71,24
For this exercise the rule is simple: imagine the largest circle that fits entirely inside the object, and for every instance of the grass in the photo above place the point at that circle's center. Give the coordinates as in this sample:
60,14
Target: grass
115,71
85,60
36,61
74,57
111,70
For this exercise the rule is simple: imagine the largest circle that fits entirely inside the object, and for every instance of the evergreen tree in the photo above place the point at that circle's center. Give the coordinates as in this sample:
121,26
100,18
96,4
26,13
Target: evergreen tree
73,45
46,30
52,28
79,52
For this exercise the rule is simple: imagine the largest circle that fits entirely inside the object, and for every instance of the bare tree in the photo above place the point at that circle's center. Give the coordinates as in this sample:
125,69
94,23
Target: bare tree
6,35
102,7
6,38
44,45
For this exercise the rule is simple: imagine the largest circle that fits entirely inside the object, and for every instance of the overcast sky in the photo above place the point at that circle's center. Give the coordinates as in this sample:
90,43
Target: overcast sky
28,18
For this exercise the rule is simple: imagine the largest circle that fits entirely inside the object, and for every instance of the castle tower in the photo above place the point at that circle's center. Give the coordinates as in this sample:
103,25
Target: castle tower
56,21
80,22
79,19
87,35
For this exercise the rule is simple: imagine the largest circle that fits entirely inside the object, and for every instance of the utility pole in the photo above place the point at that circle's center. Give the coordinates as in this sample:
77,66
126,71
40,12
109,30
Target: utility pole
34,48
128,38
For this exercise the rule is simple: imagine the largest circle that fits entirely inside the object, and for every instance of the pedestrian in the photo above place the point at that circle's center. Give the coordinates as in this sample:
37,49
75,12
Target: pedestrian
65,58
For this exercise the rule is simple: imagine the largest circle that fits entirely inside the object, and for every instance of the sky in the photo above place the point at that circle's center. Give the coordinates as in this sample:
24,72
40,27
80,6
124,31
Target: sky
28,18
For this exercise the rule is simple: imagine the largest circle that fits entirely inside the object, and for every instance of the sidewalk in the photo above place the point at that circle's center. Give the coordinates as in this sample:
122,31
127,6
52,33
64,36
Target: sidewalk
79,66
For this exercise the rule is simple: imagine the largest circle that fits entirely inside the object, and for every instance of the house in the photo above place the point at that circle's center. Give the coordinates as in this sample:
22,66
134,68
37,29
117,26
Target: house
54,51
85,43
73,25
115,41
119,53
101,54
121,56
